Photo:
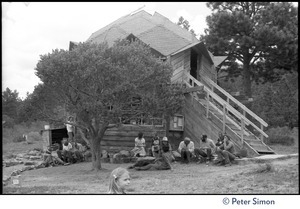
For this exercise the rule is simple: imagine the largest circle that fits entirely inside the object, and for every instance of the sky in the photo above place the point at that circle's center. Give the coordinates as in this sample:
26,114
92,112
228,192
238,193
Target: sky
31,29
36,28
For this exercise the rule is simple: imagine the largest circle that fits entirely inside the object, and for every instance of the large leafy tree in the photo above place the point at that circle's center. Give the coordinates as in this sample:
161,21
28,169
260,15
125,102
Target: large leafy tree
10,103
97,83
260,37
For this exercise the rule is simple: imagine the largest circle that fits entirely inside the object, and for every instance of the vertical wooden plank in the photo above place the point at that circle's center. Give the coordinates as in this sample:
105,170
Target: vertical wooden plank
224,116
46,136
243,126
207,104
262,136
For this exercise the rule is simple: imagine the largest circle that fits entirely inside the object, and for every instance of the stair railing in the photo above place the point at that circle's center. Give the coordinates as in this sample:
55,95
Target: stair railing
191,81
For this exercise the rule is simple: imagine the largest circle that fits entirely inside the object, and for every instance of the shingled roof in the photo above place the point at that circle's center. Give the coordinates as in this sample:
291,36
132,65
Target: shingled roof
156,30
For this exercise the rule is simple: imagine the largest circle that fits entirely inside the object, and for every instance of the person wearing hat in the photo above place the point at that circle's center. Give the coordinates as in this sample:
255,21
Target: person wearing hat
166,148
186,149
226,152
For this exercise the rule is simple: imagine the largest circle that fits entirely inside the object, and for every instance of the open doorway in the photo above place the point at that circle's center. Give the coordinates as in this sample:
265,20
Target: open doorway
194,63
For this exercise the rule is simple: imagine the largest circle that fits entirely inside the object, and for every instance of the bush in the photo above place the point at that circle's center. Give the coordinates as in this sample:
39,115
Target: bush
283,140
280,135
34,136
15,133
18,139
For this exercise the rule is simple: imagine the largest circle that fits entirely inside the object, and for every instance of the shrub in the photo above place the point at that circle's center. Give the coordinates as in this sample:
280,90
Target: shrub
280,135
277,139
18,139
34,136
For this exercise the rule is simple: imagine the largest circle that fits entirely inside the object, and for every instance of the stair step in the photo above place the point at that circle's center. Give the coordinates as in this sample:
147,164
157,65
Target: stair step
250,137
253,141
265,152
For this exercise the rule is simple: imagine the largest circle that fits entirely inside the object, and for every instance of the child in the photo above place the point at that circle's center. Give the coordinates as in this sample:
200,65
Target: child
139,148
119,180
155,146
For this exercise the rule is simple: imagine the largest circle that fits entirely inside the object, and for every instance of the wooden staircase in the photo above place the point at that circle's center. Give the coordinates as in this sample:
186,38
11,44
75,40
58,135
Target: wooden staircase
232,120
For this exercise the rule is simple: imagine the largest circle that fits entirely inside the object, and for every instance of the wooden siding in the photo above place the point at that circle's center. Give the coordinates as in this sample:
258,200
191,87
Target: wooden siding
207,70
122,138
180,63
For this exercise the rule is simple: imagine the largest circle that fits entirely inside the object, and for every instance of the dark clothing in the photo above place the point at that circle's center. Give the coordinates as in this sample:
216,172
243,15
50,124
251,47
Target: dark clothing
65,155
206,153
161,163
186,155
227,154
165,146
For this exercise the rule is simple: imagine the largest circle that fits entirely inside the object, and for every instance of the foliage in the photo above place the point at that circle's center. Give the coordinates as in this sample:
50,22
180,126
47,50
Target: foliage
277,103
7,122
10,102
97,84
277,139
185,24
15,133
263,36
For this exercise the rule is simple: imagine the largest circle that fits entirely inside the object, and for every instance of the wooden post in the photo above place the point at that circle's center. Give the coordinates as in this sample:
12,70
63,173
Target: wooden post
207,104
261,135
224,116
227,99
243,128
46,136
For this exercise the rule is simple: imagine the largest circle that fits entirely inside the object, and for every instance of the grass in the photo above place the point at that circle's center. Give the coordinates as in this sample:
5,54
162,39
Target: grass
15,134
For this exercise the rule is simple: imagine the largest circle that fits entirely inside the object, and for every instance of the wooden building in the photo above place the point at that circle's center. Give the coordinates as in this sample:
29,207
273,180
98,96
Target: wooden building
209,110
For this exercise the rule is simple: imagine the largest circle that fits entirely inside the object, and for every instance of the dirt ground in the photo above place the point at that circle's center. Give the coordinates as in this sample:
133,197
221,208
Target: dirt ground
277,177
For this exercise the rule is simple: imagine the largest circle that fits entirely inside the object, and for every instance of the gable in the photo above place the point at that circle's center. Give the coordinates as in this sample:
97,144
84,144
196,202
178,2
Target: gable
157,31
163,40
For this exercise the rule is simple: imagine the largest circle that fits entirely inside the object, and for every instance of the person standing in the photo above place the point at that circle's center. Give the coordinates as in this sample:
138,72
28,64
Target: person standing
186,149
70,129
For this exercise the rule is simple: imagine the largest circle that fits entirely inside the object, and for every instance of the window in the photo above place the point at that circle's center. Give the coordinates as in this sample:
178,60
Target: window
177,123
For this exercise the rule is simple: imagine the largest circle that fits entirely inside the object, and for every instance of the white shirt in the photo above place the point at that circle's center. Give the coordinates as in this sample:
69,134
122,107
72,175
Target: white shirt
68,147
69,127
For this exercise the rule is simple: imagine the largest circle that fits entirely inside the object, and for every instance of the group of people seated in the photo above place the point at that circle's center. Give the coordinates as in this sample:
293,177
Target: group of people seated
223,149
71,151
161,150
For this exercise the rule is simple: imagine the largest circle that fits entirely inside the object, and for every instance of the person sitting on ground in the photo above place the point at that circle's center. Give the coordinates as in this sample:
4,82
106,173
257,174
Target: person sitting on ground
207,147
155,146
167,149
186,149
65,154
50,160
77,152
139,148
228,154
220,140
119,181
160,163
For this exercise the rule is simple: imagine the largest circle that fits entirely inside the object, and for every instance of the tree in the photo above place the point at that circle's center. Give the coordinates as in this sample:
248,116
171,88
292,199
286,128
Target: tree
185,24
10,103
263,36
97,83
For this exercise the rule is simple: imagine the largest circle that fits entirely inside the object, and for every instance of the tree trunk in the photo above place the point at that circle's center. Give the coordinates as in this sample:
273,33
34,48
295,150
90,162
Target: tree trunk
96,147
247,80
96,153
